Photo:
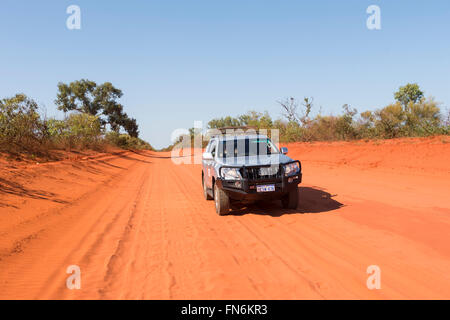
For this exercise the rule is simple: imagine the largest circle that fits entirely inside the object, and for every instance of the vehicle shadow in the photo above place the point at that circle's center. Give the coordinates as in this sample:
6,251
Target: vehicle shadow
311,200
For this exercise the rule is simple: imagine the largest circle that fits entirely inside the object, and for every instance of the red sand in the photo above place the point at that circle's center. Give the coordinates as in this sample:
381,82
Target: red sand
138,227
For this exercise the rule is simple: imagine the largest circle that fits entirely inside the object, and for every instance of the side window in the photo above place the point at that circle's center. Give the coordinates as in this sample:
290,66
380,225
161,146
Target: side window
213,149
208,147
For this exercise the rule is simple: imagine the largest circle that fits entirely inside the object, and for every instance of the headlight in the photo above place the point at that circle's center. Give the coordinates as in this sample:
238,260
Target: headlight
231,174
291,169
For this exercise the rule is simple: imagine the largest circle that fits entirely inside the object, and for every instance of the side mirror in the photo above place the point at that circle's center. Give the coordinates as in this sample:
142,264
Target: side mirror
284,150
207,156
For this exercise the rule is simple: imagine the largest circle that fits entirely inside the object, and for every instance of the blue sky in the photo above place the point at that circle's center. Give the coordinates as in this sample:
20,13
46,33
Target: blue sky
180,61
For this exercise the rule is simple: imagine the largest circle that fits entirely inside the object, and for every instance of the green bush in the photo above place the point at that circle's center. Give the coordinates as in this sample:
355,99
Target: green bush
365,126
78,130
126,141
21,127
325,128
423,118
389,121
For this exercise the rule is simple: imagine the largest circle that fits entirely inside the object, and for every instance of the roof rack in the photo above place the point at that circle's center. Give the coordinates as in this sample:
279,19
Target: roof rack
241,130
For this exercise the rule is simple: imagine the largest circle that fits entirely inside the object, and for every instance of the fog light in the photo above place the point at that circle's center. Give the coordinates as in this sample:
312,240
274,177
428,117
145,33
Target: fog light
238,184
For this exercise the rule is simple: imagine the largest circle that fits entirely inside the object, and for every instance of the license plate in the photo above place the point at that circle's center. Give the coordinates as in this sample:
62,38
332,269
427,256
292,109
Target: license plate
266,188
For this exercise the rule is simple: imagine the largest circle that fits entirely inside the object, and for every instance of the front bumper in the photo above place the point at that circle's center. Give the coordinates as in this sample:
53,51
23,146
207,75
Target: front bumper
246,189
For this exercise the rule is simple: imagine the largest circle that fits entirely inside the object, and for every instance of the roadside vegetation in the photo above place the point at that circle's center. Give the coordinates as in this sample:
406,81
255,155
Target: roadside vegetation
93,119
411,115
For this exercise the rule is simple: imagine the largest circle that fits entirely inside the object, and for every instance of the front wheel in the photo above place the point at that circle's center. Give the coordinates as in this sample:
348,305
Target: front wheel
290,201
222,201
205,189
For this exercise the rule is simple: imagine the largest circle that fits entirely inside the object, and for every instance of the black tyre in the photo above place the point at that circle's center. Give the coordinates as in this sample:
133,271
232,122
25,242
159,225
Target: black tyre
290,201
205,189
222,201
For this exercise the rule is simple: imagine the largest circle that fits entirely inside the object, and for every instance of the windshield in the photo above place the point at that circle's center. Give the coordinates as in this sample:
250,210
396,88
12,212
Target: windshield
246,147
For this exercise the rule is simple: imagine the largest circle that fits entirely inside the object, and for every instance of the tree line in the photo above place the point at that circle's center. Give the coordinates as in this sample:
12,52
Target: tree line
410,115
93,118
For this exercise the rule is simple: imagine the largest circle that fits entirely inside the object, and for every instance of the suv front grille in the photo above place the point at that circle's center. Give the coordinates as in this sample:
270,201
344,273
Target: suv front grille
261,173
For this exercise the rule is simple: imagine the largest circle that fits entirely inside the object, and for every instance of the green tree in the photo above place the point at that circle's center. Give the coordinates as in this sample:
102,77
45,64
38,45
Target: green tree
256,119
97,100
408,93
224,122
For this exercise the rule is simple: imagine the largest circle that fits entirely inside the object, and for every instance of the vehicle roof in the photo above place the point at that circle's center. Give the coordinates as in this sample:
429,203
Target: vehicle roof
239,137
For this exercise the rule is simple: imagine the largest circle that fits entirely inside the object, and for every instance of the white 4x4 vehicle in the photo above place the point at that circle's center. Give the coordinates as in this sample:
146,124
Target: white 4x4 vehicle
249,167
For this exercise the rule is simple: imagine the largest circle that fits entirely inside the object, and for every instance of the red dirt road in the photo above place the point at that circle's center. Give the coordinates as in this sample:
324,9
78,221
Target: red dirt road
139,228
